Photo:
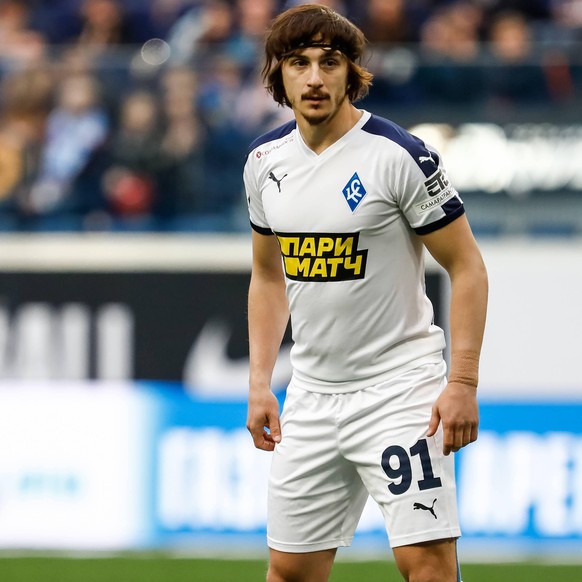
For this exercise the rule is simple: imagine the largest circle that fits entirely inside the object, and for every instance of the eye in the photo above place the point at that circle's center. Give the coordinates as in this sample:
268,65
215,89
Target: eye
298,62
330,63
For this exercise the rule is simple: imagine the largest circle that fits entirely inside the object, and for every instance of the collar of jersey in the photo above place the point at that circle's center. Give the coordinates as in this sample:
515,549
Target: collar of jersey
306,150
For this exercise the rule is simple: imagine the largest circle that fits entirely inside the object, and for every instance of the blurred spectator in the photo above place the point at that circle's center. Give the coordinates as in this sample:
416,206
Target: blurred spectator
11,163
564,27
75,128
226,141
182,177
221,84
387,22
390,27
252,17
567,14
450,47
255,111
18,42
204,29
103,25
162,15
133,157
562,35
25,99
531,9
56,20
155,159
516,77
456,31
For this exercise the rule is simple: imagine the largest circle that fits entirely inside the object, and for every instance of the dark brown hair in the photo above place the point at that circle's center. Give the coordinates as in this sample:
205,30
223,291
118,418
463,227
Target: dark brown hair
314,25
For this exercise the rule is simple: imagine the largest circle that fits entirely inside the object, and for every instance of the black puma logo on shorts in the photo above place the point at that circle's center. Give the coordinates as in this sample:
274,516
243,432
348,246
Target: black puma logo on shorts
425,508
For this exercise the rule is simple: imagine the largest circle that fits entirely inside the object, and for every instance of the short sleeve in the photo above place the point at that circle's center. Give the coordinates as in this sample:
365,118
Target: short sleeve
254,199
425,193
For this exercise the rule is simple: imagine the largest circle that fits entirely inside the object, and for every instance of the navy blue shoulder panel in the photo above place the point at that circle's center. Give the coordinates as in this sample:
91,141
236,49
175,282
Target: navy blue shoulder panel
272,135
427,161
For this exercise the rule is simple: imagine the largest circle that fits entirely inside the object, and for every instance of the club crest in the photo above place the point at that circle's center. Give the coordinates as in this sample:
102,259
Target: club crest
354,192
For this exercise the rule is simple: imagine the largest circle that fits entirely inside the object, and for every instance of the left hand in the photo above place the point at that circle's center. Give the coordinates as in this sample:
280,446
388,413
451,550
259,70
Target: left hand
458,410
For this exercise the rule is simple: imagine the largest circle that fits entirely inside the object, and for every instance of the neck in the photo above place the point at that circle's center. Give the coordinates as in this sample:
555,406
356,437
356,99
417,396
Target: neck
319,137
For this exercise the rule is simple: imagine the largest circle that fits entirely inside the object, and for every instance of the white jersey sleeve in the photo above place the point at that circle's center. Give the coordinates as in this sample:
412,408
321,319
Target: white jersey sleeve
421,187
272,141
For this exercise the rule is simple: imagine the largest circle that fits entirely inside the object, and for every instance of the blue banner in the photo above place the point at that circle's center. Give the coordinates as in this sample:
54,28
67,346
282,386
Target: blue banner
521,482
134,466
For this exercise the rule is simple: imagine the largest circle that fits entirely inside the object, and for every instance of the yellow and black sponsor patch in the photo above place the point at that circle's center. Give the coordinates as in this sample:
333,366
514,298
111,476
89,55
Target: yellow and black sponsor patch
322,256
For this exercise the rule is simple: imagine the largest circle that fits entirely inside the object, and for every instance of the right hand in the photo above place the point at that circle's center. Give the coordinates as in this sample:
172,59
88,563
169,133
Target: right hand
263,414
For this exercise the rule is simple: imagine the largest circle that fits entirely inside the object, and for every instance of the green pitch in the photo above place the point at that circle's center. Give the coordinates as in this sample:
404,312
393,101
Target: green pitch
160,569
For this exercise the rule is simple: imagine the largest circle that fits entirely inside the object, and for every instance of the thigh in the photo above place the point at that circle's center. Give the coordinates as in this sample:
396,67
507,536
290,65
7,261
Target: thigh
307,567
404,471
435,560
315,496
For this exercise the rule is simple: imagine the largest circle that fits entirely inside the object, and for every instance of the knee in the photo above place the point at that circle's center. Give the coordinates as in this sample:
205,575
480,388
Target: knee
430,573
273,574
280,573
428,562
307,567
298,571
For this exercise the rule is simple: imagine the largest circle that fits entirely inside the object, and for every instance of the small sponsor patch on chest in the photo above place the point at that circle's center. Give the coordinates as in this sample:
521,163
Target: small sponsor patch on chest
354,192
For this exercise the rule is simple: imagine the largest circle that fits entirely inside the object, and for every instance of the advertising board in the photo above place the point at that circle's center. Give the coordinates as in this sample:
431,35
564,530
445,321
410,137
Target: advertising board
146,466
72,466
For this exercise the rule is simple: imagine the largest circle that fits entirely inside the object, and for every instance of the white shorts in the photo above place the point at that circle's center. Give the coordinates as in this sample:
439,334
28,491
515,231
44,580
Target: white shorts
337,449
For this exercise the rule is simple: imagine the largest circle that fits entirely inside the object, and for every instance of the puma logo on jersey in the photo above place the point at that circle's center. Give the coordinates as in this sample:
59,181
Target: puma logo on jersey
425,508
428,158
277,180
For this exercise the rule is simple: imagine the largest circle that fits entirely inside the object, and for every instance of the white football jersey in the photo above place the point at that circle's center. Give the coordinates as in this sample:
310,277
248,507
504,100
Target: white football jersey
347,222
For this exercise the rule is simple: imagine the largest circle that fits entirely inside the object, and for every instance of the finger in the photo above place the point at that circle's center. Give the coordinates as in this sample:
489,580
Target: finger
275,429
474,432
258,434
448,439
434,423
463,435
263,441
266,443
459,438
467,435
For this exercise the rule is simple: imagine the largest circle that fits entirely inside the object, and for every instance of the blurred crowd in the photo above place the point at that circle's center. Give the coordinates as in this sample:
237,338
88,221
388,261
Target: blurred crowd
136,114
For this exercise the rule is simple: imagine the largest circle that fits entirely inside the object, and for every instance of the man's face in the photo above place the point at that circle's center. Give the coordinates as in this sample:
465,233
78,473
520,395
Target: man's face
315,81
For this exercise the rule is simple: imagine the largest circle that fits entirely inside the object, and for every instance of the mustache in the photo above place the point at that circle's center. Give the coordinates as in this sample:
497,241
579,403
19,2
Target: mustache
314,95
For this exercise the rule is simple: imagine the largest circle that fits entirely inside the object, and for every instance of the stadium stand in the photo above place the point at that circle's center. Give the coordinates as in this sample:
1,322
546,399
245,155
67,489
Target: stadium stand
135,115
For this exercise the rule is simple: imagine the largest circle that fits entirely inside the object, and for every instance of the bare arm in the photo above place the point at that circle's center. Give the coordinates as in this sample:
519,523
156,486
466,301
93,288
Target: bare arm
268,317
454,248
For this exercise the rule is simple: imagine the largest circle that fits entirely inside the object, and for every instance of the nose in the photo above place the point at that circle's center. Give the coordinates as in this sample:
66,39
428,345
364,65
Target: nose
315,77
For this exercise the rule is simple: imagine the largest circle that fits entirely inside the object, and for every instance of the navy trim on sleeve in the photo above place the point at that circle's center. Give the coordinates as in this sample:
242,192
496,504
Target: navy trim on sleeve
434,226
272,135
261,229
425,159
